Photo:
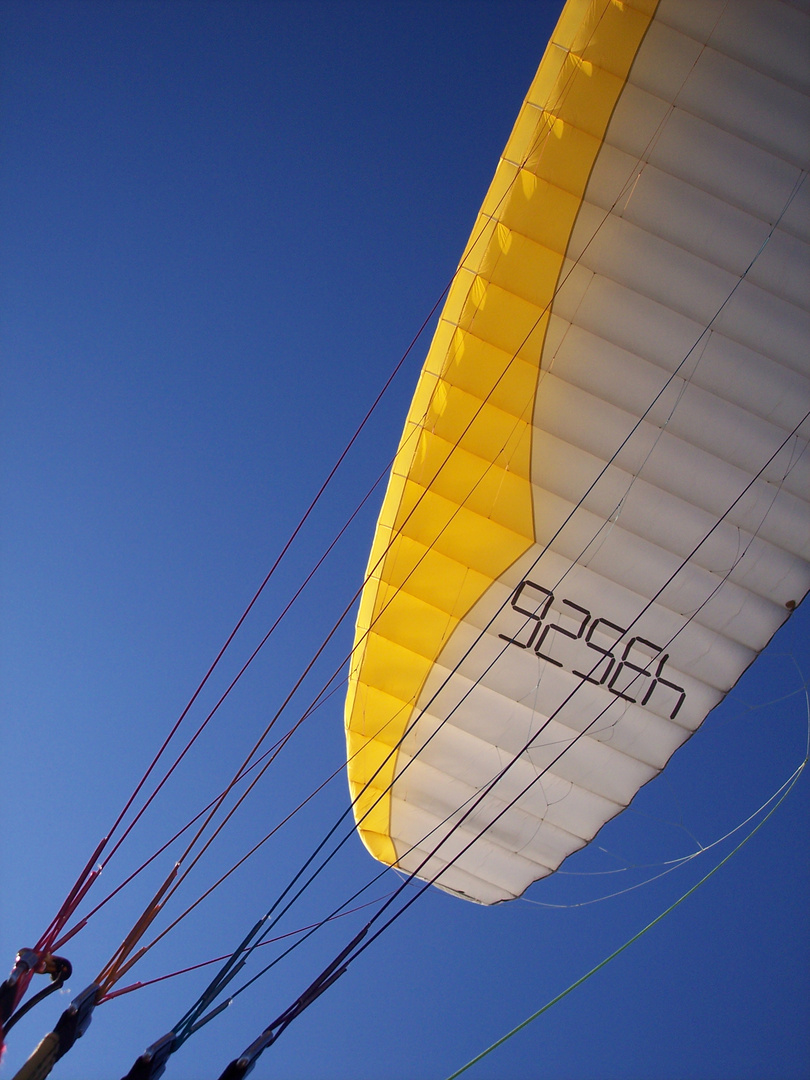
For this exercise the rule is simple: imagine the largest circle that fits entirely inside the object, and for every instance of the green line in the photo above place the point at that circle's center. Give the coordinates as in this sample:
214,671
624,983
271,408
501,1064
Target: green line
633,939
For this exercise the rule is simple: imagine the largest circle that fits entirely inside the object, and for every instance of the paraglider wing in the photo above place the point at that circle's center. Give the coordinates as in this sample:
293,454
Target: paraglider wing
598,514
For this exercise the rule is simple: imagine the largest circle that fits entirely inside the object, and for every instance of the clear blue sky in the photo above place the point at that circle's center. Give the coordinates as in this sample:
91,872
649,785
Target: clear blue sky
222,225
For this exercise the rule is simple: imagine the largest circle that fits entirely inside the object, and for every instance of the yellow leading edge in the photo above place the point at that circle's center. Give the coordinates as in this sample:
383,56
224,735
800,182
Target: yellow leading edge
458,510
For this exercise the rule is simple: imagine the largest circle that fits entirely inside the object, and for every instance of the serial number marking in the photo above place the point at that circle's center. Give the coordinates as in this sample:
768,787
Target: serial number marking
618,676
